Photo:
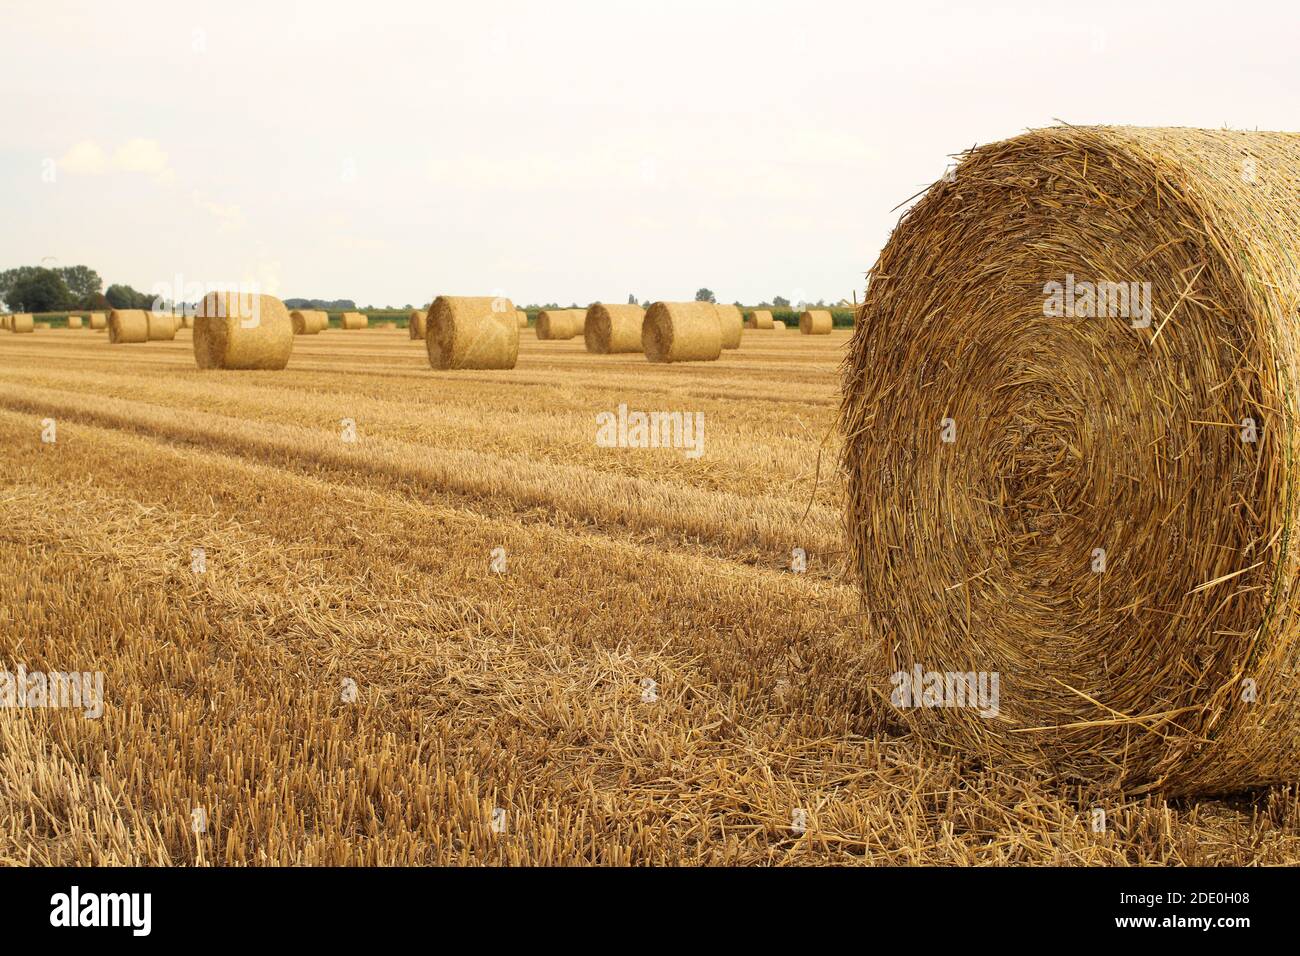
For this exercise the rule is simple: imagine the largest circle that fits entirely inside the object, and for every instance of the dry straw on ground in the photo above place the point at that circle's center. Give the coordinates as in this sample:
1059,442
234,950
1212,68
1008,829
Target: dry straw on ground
472,332
128,326
97,320
681,332
416,324
609,329
307,321
354,320
559,324
1168,661
816,322
759,319
731,323
236,330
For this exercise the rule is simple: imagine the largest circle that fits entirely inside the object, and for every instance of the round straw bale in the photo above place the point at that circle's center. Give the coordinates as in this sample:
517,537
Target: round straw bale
816,322
417,323
468,332
681,332
386,325
1070,427
74,321
307,321
760,319
162,326
97,321
523,318
4,322
237,330
128,325
559,324
613,328
731,323
354,320
21,322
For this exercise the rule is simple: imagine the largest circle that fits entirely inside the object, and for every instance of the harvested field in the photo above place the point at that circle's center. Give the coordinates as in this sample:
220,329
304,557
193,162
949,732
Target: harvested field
371,561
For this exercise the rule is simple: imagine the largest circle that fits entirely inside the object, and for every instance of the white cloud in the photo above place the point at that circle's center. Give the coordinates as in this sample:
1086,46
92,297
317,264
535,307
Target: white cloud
142,156
229,216
85,157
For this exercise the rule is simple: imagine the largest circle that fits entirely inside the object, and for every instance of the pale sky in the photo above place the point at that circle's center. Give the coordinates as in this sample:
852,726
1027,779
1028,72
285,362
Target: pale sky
389,151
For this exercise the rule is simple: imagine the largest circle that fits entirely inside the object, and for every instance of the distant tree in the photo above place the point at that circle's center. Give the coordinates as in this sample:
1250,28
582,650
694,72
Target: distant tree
96,302
821,304
83,281
124,297
43,290
631,300
704,295
10,276
780,302
409,306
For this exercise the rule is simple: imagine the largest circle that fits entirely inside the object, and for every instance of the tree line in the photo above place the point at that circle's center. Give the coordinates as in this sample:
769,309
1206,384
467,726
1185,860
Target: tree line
38,289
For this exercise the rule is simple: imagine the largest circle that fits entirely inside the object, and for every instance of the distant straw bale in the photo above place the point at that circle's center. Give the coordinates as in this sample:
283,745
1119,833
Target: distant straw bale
816,322
236,330
560,324
731,323
610,329
681,332
128,326
472,333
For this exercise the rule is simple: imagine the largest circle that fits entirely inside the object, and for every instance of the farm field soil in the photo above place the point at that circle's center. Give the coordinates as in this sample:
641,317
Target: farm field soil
646,682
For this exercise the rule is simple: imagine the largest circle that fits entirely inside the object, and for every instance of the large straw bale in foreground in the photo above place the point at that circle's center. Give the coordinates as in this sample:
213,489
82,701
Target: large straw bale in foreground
760,319
681,332
731,323
816,322
236,330
560,324
609,329
128,326
1111,527
97,321
162,326
417,323
354,320
472,332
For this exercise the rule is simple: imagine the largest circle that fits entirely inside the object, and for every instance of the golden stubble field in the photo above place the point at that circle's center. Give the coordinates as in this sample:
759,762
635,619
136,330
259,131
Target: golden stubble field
646,683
